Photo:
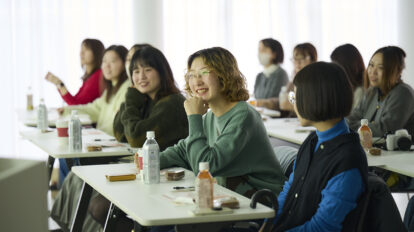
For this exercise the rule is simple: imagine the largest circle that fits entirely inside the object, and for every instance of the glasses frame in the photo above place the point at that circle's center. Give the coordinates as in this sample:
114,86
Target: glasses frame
200,73
292,97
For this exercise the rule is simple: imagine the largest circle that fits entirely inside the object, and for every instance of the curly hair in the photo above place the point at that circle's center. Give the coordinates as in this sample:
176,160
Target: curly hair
224,65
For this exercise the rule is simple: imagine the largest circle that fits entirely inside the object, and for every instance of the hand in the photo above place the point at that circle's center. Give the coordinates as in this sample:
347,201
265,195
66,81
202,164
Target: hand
60,110
52,78
195,105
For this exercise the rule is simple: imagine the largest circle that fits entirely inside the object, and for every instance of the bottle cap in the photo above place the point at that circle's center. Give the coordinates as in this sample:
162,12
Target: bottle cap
364,121
203,166
150,134
74,112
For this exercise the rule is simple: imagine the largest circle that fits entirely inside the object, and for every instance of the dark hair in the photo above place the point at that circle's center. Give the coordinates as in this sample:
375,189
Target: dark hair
307,49
276,48
350,59
98,49
121,51
393,64
224,65
323,92
135,47
152,57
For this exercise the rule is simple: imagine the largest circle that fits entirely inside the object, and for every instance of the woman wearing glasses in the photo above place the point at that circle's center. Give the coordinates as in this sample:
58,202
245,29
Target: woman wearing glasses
330,172
303,55
270,81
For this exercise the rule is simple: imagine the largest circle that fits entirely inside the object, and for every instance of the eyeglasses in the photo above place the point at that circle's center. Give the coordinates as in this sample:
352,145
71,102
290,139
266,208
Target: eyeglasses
299,60
201,73
292,98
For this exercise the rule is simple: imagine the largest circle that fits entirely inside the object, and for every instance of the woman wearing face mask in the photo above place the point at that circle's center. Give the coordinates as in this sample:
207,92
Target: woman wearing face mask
270,81
91,54
388,103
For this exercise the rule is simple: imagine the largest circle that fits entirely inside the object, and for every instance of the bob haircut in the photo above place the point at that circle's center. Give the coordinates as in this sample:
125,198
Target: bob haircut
323,92
98,49
350,59
224,65
276,48
306,49
393,64
134,48
149,56
121,51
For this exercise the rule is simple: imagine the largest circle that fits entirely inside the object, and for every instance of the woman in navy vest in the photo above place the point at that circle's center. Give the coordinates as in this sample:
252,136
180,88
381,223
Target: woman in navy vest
330,172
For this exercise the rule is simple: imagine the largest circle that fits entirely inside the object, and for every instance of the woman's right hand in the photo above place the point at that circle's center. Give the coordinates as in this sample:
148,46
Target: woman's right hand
52,78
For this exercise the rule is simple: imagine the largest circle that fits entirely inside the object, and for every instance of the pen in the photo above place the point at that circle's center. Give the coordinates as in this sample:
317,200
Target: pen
182,188
104,140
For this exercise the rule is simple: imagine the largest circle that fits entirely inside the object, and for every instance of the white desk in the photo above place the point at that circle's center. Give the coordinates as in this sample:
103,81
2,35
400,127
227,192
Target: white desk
291,131
151,205
29,118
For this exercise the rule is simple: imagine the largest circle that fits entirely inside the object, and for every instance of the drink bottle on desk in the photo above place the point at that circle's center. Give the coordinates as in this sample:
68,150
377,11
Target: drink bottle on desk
29,99
75,132
42,122
204,187
151,159
283,95
365,134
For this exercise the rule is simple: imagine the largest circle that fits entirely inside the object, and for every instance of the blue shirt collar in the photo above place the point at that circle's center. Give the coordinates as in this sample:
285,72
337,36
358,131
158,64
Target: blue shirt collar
340,128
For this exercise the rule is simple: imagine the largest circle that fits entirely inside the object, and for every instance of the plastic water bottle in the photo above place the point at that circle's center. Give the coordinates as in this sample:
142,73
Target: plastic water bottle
75,132
151,159
283,95
42,122
204,187
29,99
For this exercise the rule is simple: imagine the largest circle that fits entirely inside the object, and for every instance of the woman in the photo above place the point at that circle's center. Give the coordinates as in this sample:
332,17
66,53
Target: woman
303,55
103,109
350,59
270,81
154,103
330,172
91,54
388,103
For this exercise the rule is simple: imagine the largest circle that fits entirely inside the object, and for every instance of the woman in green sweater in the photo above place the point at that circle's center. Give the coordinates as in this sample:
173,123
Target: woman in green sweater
231,135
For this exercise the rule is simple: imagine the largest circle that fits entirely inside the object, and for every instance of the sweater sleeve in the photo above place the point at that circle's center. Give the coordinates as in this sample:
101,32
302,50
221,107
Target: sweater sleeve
226,148
92,109
354,119
339,197
118,127
88,92
175,156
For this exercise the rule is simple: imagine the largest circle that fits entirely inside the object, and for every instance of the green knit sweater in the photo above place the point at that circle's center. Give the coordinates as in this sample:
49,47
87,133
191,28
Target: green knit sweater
235,145
139,114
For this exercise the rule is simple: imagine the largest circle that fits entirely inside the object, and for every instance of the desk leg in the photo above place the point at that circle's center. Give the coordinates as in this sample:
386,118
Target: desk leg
50,162
111,218
82,208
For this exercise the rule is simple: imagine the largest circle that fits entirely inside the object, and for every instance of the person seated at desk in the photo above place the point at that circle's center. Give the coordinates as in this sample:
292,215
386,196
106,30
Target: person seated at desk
153,97
350,59
270,81
91,54
388,103
330,172
303,55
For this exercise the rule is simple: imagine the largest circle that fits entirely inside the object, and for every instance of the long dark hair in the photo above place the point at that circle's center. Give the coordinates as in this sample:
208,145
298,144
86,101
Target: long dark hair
121,51
98,49
152,57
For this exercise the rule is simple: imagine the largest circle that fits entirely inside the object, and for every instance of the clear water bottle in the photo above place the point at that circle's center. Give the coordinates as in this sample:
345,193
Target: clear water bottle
29,99
151,159
75,132
42,122
283,95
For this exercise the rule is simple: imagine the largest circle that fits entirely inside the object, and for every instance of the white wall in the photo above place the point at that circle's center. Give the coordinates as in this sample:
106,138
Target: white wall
406,37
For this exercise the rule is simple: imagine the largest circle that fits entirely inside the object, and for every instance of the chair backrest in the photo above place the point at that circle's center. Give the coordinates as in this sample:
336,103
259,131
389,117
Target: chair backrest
286,156
376,210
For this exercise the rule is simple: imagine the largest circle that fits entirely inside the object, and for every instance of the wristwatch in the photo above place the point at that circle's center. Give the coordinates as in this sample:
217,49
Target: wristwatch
61,85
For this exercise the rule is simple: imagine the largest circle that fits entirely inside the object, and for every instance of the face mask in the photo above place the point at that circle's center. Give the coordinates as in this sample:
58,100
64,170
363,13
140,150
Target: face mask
264,58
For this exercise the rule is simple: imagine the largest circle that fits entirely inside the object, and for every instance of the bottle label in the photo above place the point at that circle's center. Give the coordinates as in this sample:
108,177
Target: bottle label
204,197
151,163
366,140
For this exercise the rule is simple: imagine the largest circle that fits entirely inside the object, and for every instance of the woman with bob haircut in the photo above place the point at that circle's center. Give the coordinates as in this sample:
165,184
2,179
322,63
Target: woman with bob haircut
91,55
350,59
303,55
388,103
270,81
330,172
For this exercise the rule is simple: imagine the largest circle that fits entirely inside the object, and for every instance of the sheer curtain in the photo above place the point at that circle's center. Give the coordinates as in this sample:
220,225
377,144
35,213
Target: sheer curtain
45,35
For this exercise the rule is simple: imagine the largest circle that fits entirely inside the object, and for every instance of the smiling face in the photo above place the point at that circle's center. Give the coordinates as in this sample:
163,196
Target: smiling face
112,66
146,80
375,70
203,82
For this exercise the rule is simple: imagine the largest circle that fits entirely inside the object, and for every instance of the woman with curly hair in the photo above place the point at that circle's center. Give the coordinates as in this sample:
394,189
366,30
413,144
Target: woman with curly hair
231,136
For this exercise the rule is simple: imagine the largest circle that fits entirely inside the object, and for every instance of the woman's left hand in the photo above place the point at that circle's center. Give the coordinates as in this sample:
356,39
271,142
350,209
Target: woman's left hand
195,105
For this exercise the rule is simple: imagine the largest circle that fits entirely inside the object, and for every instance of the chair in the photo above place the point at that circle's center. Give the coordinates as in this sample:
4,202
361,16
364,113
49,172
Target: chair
286,156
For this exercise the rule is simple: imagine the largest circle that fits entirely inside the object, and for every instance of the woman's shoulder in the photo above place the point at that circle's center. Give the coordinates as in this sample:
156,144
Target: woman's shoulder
172,98
403,89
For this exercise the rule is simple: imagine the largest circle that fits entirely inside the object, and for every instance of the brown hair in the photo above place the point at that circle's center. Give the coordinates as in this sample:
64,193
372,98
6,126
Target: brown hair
276,47
307,49
224,65
98,49
350,59
152,57
121,51
393,64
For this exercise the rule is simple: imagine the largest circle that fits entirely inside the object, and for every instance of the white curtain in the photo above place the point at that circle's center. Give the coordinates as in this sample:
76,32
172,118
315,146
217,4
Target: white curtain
45,35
